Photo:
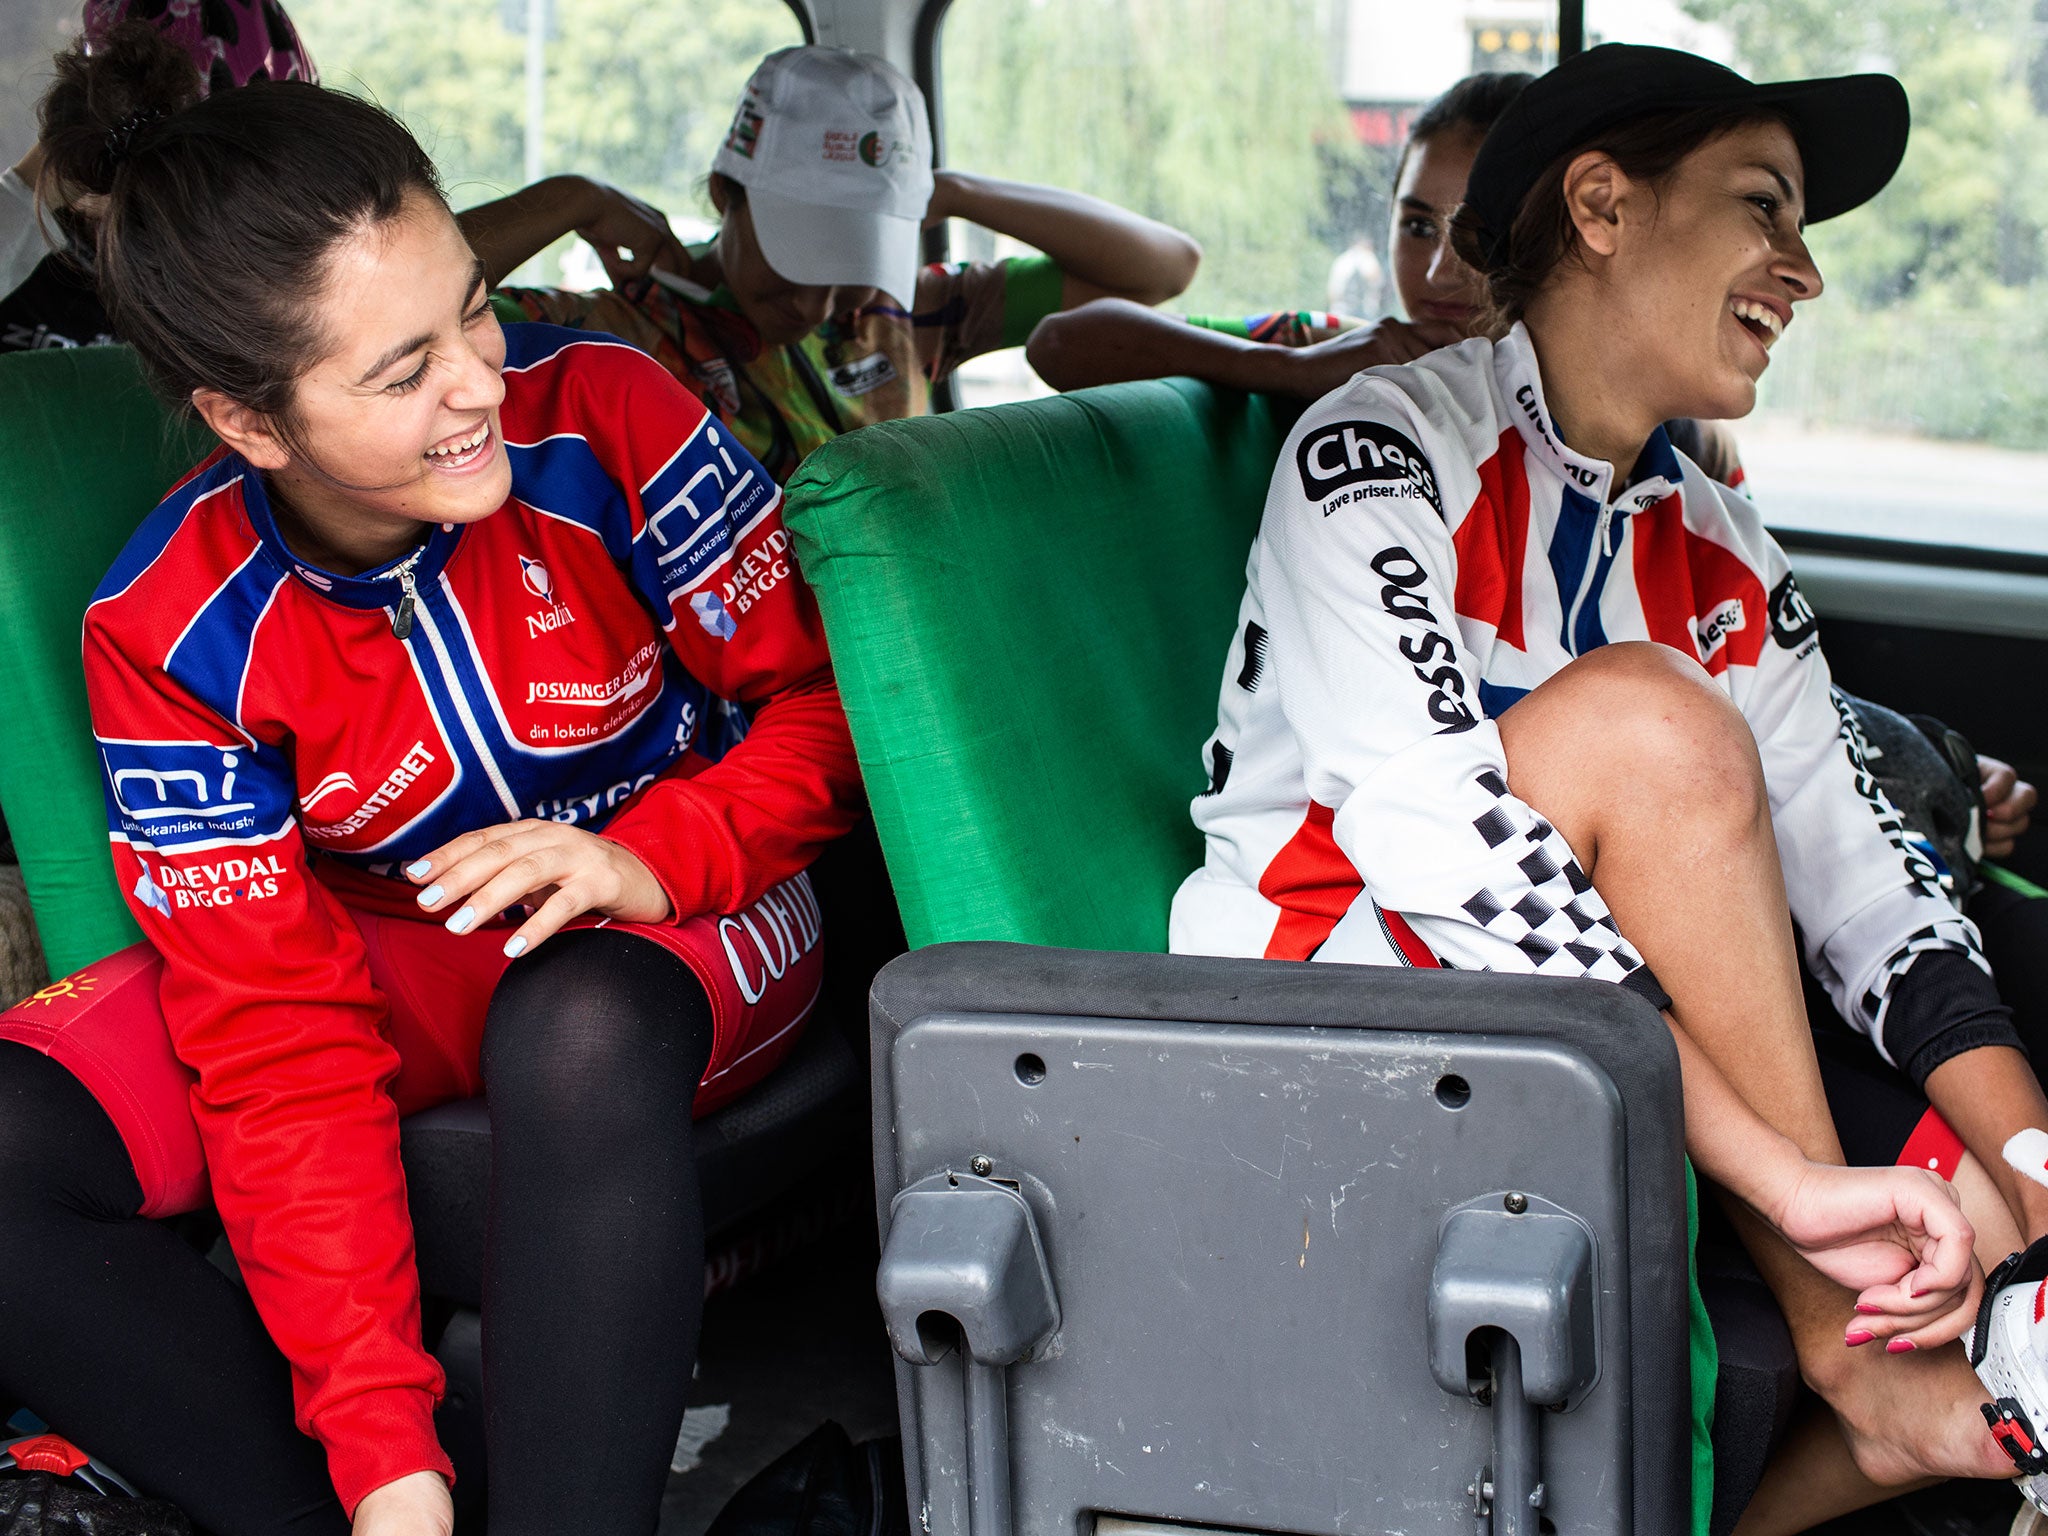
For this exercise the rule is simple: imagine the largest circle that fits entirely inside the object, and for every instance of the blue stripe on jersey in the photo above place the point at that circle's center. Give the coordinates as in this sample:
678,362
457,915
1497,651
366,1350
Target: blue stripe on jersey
212,656
468,677
1658,460
435,678
1495,699
1570,544
530,342
154,536
563,478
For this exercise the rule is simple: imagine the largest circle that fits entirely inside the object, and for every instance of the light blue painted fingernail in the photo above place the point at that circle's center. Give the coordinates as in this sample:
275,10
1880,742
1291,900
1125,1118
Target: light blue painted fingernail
418,868
514,948
462,921
430,895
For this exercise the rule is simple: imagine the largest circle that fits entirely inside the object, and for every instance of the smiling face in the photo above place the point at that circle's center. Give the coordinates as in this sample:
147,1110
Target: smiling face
1704,271
782,312
396,424
1433,283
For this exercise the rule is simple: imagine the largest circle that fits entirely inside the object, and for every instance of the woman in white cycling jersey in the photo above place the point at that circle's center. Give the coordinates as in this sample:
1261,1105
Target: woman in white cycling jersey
1516,688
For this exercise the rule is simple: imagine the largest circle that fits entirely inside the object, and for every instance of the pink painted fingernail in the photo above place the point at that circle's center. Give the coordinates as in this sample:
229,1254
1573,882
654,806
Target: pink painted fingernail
1858,1336
1865,1309
1899,1346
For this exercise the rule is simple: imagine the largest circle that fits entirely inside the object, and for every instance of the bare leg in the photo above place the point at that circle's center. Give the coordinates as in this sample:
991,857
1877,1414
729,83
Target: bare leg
1671,821
1812,1479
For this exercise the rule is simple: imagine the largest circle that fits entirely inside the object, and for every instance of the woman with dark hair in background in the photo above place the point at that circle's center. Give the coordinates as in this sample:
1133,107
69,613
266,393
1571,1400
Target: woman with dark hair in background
1111,341
399,697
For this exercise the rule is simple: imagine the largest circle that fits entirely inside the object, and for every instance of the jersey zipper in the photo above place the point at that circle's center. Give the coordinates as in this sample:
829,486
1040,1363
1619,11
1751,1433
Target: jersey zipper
1596,551
401,616
470,728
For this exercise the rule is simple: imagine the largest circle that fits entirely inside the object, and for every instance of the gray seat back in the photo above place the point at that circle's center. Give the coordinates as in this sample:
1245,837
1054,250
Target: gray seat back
1240,1175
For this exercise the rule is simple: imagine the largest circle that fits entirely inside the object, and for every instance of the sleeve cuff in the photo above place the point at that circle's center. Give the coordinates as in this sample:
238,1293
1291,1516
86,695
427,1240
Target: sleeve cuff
1644,983
684,900
378,1437
1942,1005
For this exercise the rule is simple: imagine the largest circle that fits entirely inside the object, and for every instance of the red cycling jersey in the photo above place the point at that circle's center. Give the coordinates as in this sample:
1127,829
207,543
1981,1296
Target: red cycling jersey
279,740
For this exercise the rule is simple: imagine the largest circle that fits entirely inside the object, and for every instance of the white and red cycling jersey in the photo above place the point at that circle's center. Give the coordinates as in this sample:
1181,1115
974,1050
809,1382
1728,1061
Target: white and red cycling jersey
1430,552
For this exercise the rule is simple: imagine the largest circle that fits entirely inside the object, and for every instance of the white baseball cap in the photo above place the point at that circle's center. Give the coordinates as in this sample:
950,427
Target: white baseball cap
835,151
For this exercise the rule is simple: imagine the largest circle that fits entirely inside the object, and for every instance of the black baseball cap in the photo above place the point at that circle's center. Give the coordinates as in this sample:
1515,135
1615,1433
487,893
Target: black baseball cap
1850,129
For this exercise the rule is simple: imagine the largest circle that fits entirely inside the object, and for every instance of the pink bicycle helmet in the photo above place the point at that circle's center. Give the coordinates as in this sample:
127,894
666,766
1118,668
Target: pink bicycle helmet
232,41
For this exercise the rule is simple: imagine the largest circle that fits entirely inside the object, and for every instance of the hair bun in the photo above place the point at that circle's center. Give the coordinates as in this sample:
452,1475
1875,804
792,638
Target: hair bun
121,137
102,102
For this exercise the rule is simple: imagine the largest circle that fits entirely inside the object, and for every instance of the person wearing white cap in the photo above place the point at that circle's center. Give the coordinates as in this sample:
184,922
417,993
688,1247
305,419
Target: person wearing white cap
811,312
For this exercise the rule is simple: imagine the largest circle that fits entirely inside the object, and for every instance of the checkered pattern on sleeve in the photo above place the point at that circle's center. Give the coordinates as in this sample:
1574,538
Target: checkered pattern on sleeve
1557,919
1949,931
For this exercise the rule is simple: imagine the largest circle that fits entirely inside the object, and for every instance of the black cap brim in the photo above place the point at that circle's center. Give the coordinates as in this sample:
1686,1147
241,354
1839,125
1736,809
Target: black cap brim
1851,129
1851,132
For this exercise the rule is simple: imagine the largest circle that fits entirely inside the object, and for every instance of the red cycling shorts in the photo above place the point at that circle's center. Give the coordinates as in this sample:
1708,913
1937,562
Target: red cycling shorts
761,968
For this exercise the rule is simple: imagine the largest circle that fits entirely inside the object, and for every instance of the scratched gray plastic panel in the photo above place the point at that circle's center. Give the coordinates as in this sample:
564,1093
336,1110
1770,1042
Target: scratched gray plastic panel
1241,1223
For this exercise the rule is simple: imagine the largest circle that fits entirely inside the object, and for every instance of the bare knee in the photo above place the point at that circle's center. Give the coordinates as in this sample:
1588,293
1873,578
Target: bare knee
1637,719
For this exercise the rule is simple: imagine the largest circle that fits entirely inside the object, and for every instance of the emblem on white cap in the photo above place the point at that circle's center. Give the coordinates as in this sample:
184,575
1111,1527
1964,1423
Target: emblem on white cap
835,150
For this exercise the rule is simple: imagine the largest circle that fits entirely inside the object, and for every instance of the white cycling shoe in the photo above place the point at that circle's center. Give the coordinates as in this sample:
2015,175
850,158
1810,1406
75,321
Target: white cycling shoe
2009,1348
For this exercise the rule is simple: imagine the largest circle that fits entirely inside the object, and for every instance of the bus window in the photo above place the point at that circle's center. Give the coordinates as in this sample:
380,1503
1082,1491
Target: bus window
31,31
1910,403
503,92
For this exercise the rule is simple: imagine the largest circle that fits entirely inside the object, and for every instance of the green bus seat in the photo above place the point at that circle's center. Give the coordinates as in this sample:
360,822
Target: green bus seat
1029,609
85,453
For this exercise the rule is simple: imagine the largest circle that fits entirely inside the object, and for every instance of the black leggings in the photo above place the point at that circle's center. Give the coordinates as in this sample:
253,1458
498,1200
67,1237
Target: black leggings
124,1338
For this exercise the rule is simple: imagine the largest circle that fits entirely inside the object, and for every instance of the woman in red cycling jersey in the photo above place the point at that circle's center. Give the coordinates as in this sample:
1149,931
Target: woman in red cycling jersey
398,697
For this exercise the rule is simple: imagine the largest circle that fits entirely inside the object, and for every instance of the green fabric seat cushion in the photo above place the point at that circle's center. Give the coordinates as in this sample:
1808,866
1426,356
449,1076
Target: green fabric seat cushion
1029,609
85,453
